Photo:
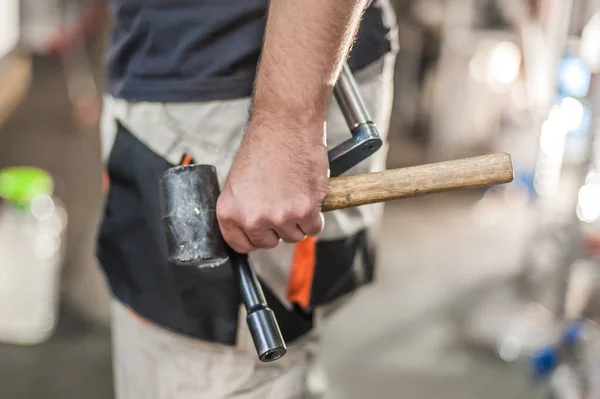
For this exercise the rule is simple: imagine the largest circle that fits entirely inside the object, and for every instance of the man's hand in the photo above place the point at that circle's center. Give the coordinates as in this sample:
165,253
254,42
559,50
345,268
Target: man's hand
275,187
278,179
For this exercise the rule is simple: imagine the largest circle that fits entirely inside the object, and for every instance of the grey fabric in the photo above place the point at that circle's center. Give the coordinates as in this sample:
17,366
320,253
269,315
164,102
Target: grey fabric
152,362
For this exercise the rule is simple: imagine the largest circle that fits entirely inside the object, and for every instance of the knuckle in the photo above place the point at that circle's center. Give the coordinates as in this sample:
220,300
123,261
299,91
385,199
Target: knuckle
254,223
280,217
315,231
224,210
305,212
224,217
305,208
316,227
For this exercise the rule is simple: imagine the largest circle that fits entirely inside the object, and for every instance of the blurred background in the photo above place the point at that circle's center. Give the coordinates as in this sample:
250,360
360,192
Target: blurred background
480,293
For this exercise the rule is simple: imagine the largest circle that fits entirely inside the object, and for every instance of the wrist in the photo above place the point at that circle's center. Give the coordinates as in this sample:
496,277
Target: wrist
284,109
295,131
301,99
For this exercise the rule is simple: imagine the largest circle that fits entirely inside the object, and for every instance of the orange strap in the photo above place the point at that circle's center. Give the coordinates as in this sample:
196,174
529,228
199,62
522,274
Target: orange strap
186,160
303,270
105,181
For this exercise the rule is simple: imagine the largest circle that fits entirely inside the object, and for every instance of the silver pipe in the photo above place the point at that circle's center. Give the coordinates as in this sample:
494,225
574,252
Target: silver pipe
348,98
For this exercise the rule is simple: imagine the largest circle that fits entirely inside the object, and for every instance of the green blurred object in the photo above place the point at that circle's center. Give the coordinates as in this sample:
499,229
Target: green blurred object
19,185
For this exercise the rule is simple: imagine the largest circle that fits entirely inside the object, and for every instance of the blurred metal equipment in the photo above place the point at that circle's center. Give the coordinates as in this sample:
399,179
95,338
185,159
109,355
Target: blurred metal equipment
567,203
480,62
60,27
42,21
81,85
39,21
83,91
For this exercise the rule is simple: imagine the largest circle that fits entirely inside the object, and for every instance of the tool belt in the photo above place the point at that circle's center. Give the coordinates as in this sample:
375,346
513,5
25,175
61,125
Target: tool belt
204,303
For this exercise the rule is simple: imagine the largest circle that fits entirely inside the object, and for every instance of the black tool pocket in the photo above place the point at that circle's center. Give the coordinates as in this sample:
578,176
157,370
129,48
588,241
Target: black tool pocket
202,303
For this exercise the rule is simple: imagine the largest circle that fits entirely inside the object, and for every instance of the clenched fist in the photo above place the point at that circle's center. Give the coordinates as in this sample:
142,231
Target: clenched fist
275,186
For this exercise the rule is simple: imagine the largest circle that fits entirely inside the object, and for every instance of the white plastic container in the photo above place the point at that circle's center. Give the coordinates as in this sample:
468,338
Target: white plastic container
32,227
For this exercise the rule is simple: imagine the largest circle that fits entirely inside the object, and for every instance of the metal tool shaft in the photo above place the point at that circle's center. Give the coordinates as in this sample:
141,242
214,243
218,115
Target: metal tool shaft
252,294
348,98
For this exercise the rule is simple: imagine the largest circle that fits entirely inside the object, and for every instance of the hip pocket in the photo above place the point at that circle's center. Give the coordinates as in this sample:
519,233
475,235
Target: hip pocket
132,249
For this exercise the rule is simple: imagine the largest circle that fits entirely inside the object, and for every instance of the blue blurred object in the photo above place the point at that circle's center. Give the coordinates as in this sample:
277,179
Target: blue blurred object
523,177
572,333
526,177
574,77
544,361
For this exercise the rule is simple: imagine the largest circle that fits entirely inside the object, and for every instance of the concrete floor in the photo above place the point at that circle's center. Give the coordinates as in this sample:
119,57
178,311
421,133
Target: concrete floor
403,330
397,339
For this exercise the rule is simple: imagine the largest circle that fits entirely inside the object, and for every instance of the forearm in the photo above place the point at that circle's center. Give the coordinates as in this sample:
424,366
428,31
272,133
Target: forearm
306,44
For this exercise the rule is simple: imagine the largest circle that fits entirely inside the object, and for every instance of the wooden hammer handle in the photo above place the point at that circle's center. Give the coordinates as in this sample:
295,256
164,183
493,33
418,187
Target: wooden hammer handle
368,188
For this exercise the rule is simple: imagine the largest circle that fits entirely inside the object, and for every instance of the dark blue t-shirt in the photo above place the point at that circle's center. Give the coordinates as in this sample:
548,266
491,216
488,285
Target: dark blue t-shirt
203,50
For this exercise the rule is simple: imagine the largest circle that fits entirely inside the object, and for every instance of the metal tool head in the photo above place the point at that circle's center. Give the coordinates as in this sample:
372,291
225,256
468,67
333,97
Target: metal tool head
365,141
189,198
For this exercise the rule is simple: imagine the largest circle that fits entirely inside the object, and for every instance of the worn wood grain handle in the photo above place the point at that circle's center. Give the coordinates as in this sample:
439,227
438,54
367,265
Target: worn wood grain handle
368,188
